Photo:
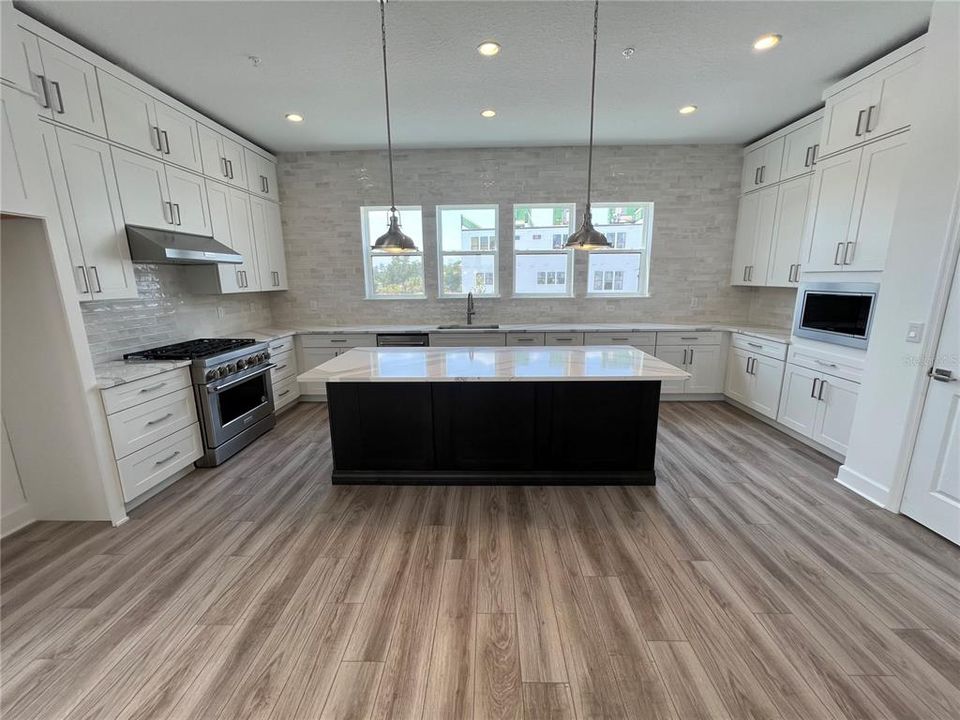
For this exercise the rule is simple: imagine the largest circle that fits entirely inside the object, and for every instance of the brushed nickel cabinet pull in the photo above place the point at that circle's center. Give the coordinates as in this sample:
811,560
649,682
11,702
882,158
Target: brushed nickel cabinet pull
166,142
860,115
96,276
151,388
756,345
813,390
816,151
160,419
836,255
59,95
86,283
176,208
870,126
155,138
168,458
942,375
46,90
285,392
823,384
847,254
691,357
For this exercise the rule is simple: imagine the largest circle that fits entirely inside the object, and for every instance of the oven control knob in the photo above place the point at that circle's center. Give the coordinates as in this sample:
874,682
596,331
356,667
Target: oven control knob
241,363
262,357
266,356
222,370
211,374
231,367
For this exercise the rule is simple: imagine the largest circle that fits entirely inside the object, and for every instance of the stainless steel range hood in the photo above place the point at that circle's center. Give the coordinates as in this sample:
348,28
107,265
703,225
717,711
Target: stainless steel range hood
150,245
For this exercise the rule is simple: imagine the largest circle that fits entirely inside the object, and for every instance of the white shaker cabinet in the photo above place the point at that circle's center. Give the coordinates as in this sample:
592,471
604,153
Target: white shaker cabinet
232,225
23,185
261,175
676,356
754,380
751,251
761,166
818,406
784,267
703,362
188,199
831,206
69,89
798,399
800,150
268,239
222,158
180,139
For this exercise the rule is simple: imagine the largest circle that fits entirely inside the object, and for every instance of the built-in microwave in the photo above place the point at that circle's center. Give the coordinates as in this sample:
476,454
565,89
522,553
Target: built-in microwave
838,313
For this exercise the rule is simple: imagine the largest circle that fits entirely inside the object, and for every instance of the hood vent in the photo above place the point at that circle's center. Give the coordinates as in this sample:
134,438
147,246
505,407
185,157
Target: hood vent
149,245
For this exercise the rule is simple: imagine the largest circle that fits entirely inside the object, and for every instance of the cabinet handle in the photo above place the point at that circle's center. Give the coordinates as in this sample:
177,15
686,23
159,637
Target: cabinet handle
750,273
836,255
756,176
151,388
167,218
824,363
166,142
684,361
230,168
619,339
860,115
86,283
176,209
749,365
942,375
806,158
276,278
756,345
160,419
155,139
823,384
691,357
96,276
285,392
763,171
243,274
280,367
869,125
813,390
744,273
790,274
46,90
816,152
335,340
847,254
168,458
56,86
239,278
695,337
223,167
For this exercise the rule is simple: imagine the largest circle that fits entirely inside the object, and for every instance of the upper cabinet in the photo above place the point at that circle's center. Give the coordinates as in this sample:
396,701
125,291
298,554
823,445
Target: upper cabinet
68,89
271,257
222,158
872,103
800,150
135,119
261,175
761,166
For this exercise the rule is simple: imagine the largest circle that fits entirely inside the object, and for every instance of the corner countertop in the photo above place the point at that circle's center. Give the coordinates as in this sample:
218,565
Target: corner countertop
118,372
497,364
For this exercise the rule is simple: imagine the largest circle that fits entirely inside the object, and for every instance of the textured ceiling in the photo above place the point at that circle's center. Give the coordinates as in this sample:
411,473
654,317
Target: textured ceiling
322,59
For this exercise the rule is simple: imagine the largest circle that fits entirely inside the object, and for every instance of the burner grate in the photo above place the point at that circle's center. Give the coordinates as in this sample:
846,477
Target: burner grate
191,349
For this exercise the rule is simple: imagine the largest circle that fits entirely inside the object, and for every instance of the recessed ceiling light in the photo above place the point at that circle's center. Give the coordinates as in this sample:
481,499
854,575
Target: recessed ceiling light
687,109
628,52
488,113
765,42
294,117
488,48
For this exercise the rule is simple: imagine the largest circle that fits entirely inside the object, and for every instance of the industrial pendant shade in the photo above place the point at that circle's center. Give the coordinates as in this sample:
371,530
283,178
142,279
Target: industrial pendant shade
587,237
393,240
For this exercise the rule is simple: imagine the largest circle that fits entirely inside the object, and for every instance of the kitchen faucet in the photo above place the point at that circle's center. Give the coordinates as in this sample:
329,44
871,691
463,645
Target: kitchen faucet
470,311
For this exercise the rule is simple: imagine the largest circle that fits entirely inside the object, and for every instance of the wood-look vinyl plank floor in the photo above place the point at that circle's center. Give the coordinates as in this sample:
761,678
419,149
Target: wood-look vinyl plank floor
745,584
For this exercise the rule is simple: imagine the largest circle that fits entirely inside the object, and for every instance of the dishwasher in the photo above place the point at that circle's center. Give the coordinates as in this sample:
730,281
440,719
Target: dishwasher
403,340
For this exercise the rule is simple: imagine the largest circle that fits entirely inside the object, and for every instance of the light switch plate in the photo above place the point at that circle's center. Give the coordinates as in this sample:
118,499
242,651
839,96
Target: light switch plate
914,332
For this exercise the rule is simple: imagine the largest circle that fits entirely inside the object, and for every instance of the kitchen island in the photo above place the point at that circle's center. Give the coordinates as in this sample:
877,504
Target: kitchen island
497,415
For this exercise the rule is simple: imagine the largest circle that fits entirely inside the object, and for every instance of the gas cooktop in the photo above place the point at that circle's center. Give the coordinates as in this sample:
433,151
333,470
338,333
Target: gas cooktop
191,349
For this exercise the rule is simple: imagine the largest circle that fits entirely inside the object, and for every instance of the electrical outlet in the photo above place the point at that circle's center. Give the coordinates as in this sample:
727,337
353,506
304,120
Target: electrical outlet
220,312
696,302
914,332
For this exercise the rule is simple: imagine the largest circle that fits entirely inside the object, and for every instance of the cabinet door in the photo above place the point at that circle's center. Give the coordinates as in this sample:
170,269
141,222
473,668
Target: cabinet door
765,389
95,201
838,402
766,218
798,150
221,224
278,249
844,118
783,269
188,195
211,154
831,207
261,175
752,161
129,114
676,356
61,195
261,242
143,189
179,139
24,188
798,399
737,381
772,162
705,365
241,222
309,359
878,188
747,218
896,107
20,62
233,155
74,95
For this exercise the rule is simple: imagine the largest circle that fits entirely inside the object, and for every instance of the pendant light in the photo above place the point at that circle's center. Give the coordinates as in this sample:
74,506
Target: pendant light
394,240
587,237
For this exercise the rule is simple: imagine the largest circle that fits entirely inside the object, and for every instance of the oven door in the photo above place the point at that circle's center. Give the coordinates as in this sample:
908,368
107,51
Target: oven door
235,403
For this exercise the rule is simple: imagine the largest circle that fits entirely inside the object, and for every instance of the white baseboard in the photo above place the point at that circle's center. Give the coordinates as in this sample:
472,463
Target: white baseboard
140,499
313,398
863,486
16,520
691,397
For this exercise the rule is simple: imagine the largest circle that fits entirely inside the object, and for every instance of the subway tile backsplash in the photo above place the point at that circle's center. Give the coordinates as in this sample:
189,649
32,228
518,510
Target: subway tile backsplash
167,312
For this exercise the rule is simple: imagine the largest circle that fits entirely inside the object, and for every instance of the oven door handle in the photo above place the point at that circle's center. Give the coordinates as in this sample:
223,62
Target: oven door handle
225,386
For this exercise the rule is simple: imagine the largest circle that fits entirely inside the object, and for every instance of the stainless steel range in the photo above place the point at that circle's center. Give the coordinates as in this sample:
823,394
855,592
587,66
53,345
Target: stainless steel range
231,382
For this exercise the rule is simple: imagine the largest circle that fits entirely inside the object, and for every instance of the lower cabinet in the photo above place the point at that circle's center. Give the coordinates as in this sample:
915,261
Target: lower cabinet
818,406
468,339
283,376
703,362
754,380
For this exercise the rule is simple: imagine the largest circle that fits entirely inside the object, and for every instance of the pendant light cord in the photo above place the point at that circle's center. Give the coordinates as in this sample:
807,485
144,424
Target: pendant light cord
386,99
593,92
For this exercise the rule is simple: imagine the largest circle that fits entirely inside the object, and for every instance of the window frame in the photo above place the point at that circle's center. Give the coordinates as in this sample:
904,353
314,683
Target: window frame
570,292
441,293
368,253
645,253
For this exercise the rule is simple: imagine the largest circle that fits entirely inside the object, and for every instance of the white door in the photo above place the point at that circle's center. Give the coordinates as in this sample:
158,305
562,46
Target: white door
784,267
20,63
179,141
752,162
188,197
676,356
767,214
143,190
798,150
765,391
837,402
876,200
221,223
74,94
211,153
705,365
932,495
23,188
95,201
241,222
737,382
831,206
233,156
747,218
896,107
844,118
278,253
129,114
798,399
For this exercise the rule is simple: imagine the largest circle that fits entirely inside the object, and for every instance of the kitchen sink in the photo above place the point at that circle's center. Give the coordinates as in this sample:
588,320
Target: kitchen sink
468,327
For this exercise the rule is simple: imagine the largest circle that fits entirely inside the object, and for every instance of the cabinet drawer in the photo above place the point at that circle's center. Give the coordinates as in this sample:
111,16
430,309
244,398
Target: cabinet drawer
285,392
133,393
524,338
759,346
156,462
135,428
689,338
835,364
338,340
281,345
629,337
468,339
286,365
559,338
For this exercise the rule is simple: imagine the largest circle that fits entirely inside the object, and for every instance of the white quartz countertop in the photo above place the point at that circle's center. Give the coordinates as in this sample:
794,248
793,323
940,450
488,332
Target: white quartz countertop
495,364
117,372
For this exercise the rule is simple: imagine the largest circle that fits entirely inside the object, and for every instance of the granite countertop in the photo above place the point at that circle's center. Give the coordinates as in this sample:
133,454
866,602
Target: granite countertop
499,364
265,334
117,372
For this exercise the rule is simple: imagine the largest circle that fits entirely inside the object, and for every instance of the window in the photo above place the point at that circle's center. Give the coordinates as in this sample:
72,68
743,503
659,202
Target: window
623,269
392,275
541,265
467,250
